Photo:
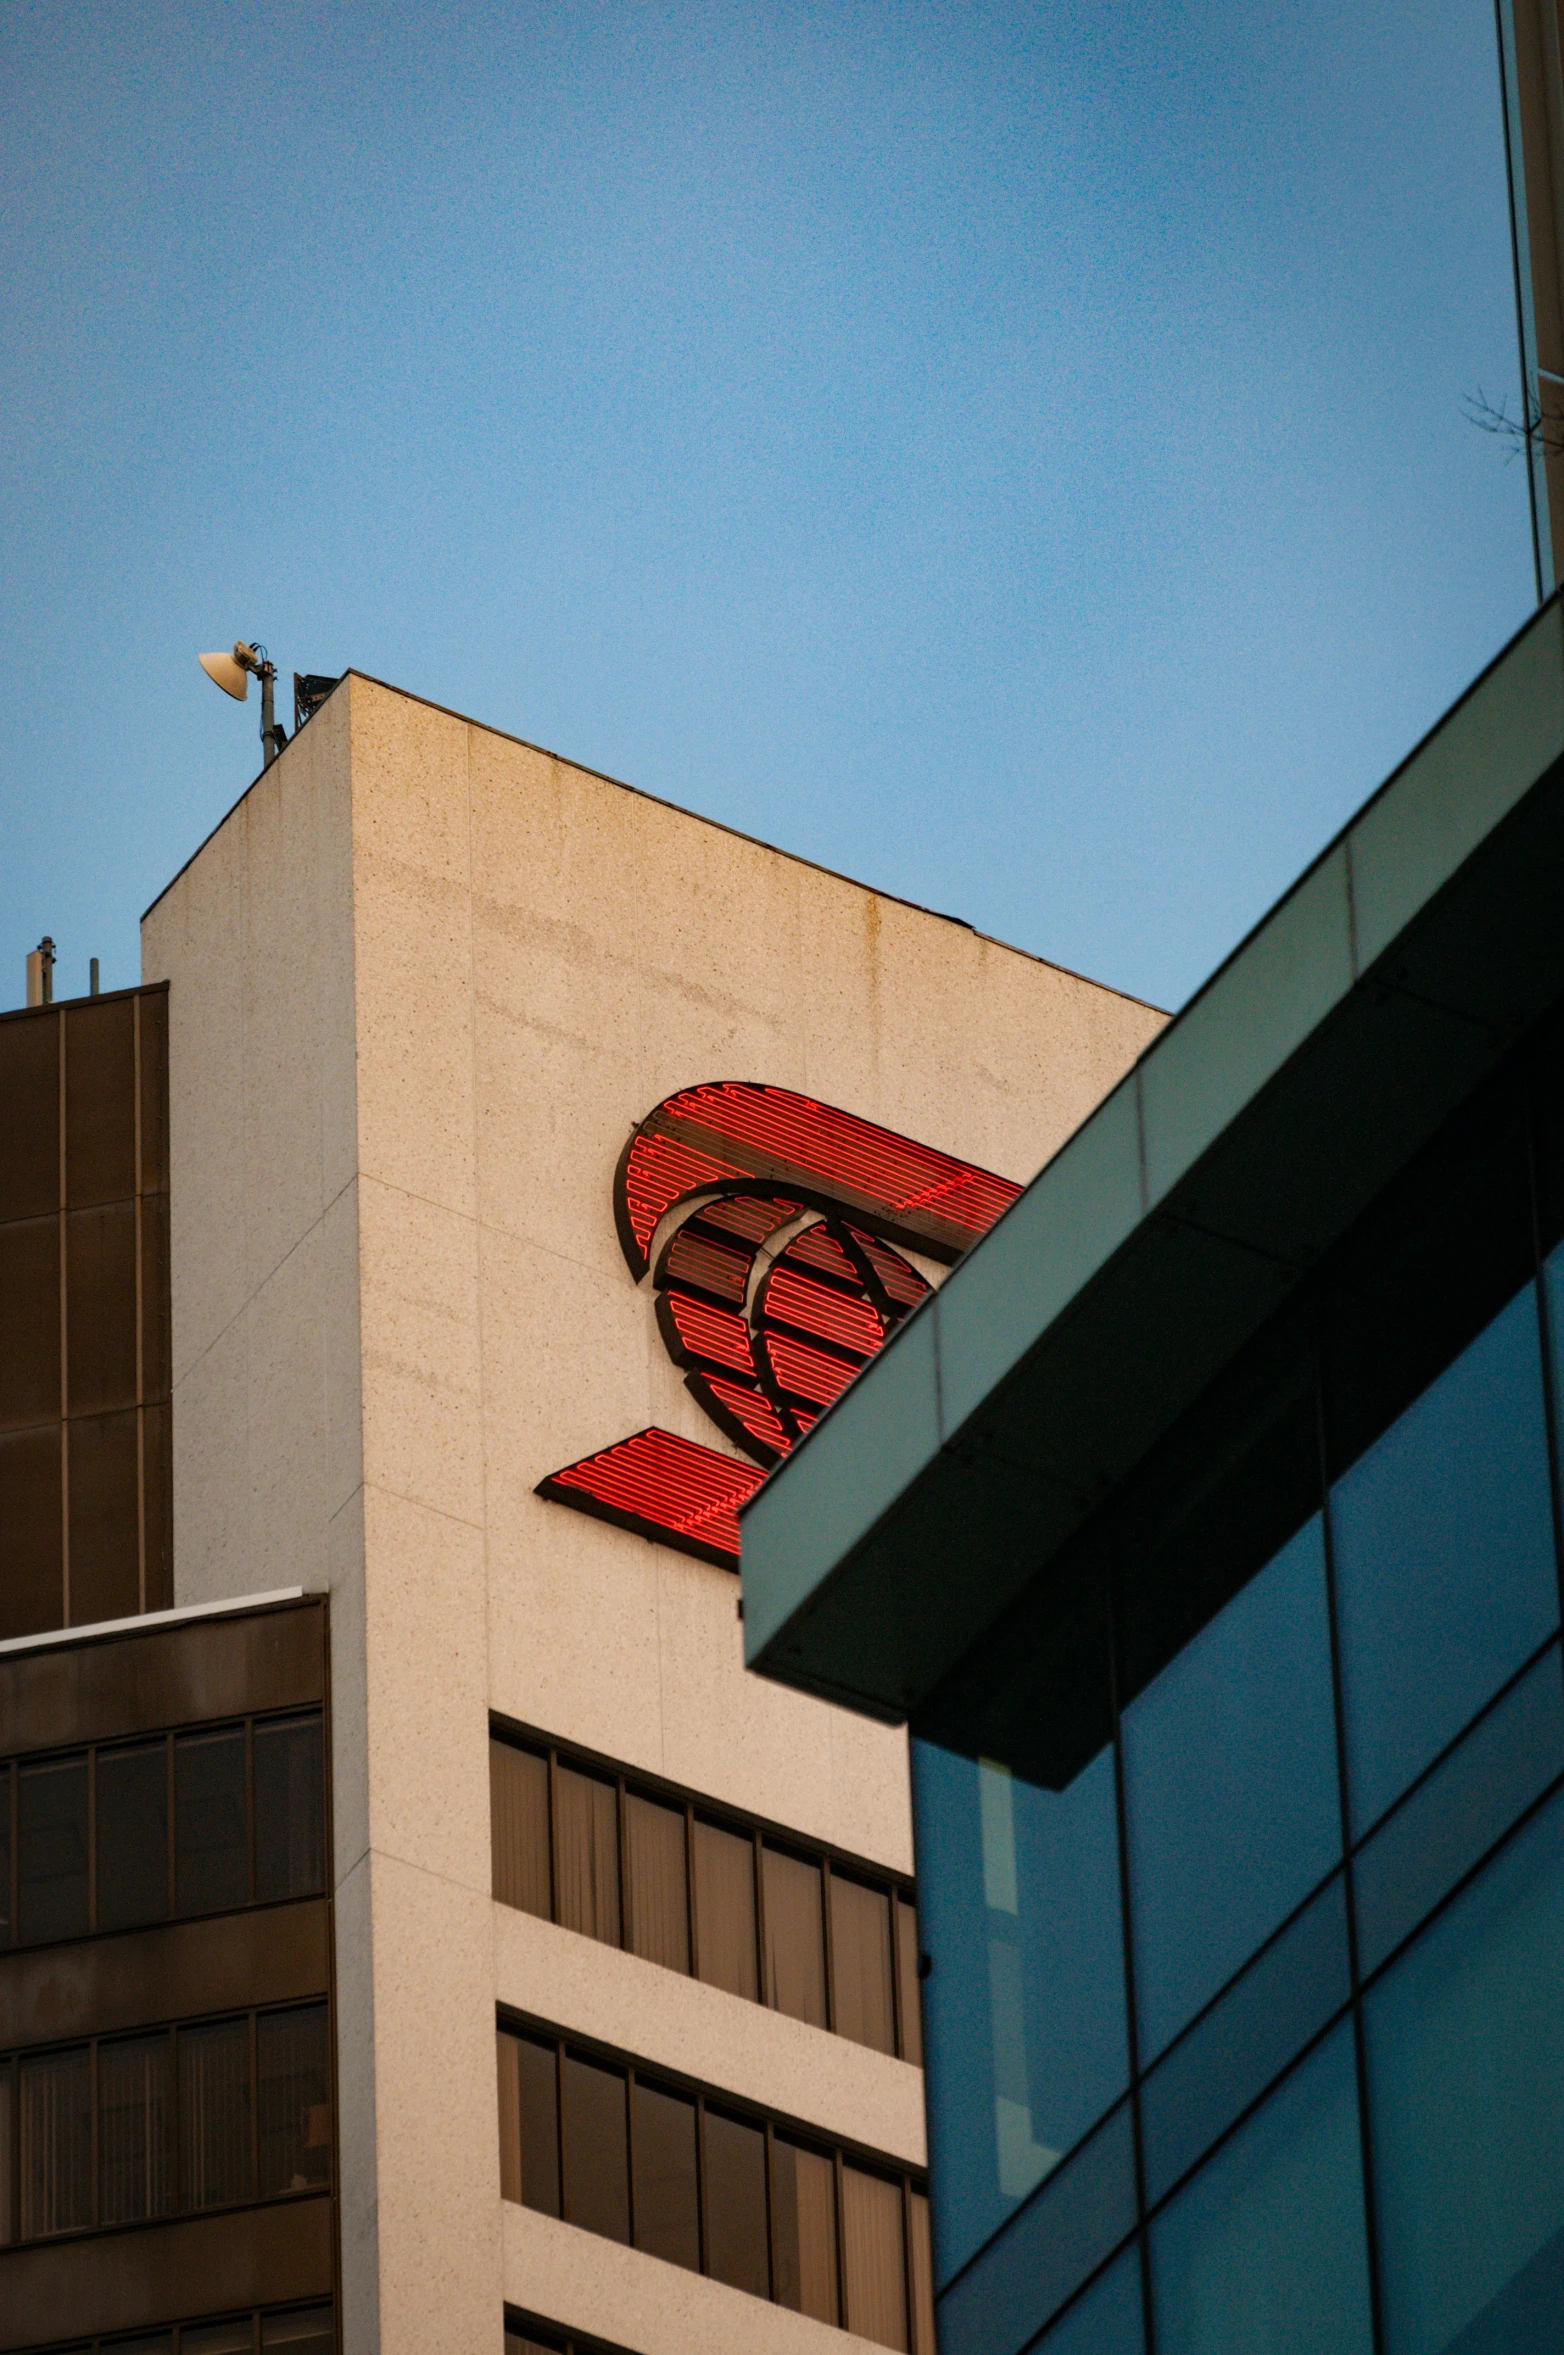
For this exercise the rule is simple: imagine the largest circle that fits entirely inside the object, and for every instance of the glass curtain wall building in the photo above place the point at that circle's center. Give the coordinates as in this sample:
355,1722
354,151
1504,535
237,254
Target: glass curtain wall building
1238,1743
1244,1873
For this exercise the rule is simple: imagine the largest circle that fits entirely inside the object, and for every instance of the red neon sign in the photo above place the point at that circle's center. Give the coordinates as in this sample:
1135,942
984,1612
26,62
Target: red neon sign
779,1281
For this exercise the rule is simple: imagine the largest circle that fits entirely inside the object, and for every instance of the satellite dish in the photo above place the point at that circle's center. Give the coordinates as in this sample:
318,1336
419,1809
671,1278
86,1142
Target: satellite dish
224,672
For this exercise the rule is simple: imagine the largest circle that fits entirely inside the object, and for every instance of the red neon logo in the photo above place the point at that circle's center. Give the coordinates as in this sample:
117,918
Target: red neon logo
768,1223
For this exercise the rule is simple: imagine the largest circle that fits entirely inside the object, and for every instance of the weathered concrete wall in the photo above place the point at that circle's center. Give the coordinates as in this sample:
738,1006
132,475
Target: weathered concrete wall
424,980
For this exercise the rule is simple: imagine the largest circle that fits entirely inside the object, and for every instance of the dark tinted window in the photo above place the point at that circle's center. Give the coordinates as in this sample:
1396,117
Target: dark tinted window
667,2208
588,1858
214,2114
306,2331
132,1836
795,1937
56,2141
804,2223
537,2072
736,2204
657,1913
294,2099
874,2261
5,1855
290,1815
212,1865
861,1965
519,1829
1231,1797
597,2154
134,2106
907,1982
725,1910
1445,1574
52,1827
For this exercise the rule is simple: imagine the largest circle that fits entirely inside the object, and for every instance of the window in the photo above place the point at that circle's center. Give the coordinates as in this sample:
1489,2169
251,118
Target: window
699,2180
707,1892
130,1833
289,2330
204,2114
529,2334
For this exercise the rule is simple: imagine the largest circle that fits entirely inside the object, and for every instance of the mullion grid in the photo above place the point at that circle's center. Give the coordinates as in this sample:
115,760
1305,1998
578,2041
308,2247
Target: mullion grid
659,2081
175,2332
1350,1849
895,1892
10,1770
11,2075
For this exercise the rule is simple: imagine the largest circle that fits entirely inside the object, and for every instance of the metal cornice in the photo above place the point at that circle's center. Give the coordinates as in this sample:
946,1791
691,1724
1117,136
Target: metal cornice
1319,1058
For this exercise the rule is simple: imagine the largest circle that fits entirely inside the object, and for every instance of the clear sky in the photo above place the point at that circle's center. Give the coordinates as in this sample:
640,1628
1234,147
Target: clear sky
1009,450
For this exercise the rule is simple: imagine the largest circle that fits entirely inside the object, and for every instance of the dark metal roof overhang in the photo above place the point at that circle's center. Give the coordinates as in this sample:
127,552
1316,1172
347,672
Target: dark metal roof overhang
1251,1134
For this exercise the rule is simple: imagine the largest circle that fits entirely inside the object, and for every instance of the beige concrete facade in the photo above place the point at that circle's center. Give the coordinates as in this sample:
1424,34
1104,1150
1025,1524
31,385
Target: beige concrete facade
423,981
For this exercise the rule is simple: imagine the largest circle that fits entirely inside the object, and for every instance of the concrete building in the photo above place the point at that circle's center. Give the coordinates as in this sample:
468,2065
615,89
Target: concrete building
533,1144
1239,1742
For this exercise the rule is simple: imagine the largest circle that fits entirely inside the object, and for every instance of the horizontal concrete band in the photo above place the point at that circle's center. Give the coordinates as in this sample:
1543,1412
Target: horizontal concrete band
1326,1051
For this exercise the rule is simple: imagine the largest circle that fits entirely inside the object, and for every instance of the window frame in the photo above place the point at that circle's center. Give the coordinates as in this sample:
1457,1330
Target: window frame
912,2182
760,1833
11,1766
11,2063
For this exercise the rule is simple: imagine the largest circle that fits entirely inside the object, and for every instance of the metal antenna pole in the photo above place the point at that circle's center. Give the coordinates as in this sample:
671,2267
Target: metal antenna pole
268,728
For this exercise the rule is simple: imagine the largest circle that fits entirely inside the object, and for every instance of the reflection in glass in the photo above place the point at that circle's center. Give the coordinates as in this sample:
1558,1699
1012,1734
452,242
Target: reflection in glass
667,2209
1445,1572
1265,2249
56,2142
293,2099
134,2112
725,1910
214,2114
804,2230
1024,2018
1106,2319
597,2151
52,1845
211,1867
795,1937
862,1982
920,2269
5,1856
1231,1799
1504,1762
518,1822
7,2096
1249,2036
1466,2084
736,2204
1073,2221
132,1836
873,2258
588,1858
656,1893
290,1809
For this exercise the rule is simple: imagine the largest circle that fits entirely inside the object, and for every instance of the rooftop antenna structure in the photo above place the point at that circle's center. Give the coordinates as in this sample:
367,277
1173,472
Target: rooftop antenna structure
233,673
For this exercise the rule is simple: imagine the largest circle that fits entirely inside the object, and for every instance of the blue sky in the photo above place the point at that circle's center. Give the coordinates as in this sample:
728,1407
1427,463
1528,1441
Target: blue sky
1013,453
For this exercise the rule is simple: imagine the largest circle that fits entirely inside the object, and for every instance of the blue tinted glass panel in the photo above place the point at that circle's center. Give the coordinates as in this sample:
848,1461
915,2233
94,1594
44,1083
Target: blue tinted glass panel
1106,2320
1261,2024
1444,1558
1466,2082
1553,1285
1233,1807
1265,2251
1507,1760
1024,2017
1057,2241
